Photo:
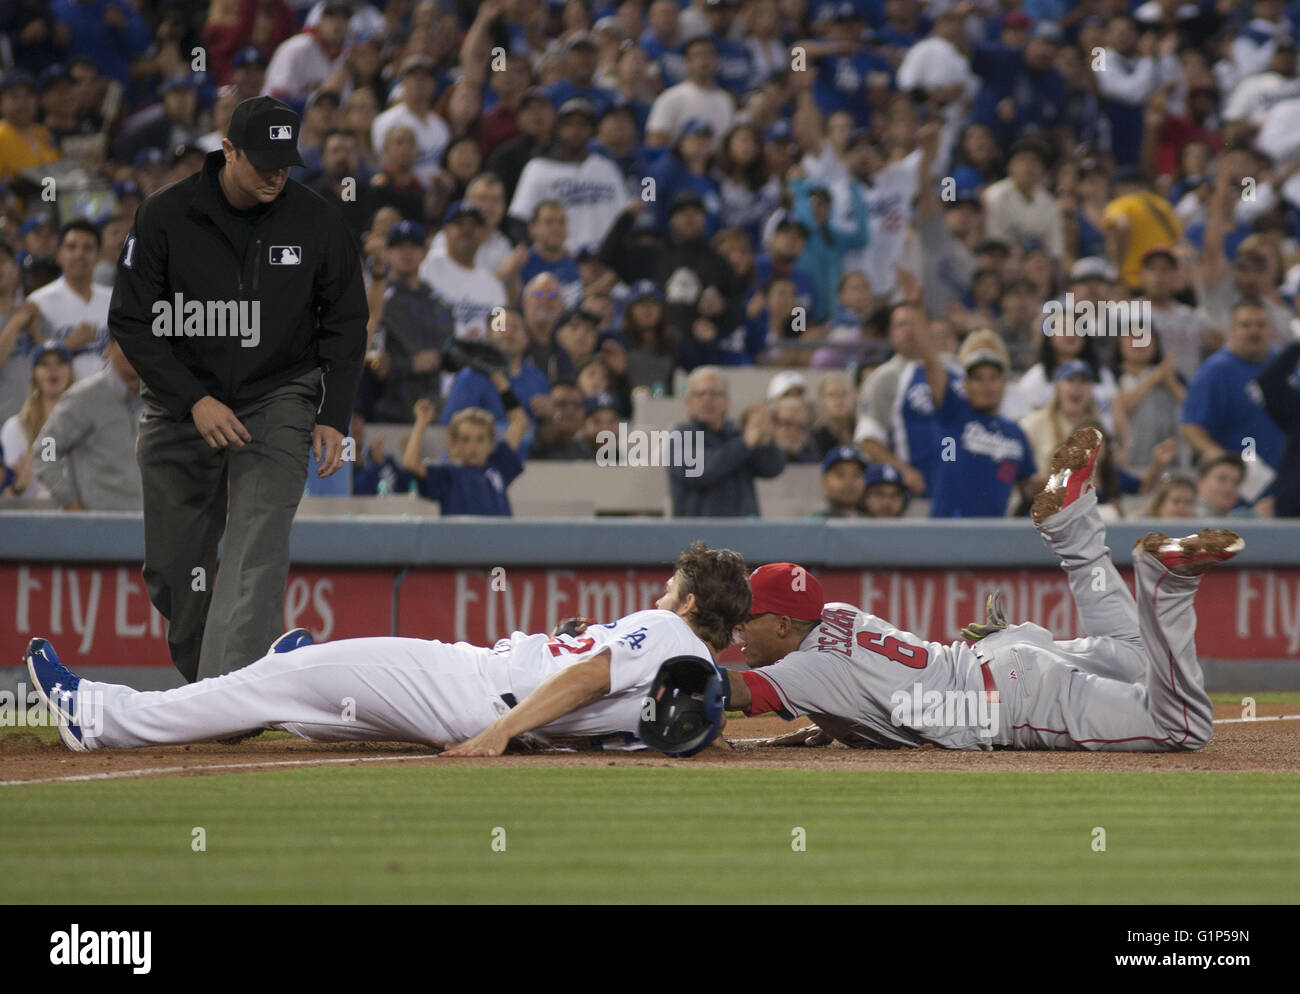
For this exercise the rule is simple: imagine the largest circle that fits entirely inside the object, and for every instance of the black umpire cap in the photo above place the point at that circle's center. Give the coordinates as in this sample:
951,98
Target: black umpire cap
266,131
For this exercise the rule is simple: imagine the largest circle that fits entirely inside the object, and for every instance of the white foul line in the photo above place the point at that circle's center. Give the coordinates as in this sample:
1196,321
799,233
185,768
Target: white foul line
158,770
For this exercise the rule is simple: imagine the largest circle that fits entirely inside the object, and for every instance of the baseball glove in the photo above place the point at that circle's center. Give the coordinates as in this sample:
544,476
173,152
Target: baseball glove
684,709
995,611
572,626
484,357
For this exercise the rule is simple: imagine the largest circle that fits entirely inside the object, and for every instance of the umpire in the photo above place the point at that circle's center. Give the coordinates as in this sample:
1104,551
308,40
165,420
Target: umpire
239,300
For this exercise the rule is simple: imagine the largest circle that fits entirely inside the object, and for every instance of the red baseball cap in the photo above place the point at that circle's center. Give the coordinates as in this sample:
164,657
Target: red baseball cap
786,589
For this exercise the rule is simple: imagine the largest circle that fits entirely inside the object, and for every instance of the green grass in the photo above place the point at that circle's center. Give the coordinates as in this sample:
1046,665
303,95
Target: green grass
650,835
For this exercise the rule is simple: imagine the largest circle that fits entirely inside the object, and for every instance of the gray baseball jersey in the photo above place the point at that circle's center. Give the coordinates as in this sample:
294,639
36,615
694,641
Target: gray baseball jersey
871,684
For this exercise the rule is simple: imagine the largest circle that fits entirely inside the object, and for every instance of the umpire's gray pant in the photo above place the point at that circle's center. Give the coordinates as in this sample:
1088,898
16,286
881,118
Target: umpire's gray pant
193,494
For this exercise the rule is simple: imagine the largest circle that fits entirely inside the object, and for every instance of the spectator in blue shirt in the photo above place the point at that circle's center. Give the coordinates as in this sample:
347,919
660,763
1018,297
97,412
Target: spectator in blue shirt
375,472
686,170
1224,410
662,41
110,32
548,230
1280,385
1022,92
827,245
784,249
983,457
618,138
735,68
471,388
475,478
580,63
848,74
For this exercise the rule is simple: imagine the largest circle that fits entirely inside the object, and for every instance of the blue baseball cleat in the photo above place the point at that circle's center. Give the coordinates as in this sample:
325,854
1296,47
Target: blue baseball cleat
291,640
57,686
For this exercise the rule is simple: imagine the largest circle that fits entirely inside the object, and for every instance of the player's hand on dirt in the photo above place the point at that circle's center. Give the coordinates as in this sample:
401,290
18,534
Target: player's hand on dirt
218,425
572,626
809,735
424,411
327,447
489,742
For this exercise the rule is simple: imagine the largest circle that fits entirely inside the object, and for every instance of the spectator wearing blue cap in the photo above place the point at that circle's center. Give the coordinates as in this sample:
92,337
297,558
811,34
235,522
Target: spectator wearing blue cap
589,185
171,122
110,32
49,374
600,414
1072,403
469,288
650,342
471,388
38,236
685,169
58,100
412,330
618,138
303,63
248,73
697,96
23,142
1021,91
547,231
984,458
842,483
885,494
580,62
849,77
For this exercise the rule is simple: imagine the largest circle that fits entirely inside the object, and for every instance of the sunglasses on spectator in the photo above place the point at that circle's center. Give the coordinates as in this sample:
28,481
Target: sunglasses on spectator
545,294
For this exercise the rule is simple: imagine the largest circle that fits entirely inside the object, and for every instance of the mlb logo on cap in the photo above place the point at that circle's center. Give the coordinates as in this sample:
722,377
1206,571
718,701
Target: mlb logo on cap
286,255
281,133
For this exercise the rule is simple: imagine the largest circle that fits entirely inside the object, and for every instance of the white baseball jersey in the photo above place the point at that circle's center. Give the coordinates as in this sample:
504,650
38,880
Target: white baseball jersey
860,679
63,309
638,645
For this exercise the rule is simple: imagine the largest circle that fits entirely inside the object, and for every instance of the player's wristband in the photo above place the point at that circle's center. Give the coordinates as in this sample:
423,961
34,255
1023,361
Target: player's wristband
509,400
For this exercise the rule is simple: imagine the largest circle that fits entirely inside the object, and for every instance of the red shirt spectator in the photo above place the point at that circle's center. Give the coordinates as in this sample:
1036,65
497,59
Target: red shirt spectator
236,24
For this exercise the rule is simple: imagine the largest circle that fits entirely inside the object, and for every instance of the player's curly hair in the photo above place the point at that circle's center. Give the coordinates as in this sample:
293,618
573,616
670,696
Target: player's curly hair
720,583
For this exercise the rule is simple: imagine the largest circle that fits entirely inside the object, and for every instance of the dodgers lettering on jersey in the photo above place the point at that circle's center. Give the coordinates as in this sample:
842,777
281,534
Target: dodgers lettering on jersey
873,685
638,645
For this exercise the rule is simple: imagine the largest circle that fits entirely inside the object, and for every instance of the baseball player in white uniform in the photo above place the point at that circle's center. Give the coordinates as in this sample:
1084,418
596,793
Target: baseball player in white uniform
868,683
401,689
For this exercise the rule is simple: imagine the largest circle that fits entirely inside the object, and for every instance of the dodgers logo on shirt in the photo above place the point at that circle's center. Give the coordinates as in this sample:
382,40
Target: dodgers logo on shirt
286,255
634,640
282,132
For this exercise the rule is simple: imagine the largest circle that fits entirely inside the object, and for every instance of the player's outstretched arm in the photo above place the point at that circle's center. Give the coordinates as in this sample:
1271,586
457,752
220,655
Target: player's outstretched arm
565,691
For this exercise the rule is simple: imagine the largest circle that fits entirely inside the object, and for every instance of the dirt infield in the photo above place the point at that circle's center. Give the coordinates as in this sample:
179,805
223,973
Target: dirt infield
1260,746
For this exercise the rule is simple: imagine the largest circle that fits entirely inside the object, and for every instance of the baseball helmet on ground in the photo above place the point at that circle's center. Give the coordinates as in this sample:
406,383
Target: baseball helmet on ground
684,706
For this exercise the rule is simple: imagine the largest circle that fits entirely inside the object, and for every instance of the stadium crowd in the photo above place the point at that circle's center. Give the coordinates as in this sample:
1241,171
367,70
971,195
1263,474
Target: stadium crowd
990,222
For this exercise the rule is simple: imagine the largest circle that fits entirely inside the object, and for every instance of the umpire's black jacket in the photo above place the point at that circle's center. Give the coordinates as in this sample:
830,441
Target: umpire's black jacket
313,304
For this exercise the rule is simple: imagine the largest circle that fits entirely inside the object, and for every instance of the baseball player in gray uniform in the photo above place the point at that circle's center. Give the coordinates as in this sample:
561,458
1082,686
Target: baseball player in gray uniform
591,683
870,684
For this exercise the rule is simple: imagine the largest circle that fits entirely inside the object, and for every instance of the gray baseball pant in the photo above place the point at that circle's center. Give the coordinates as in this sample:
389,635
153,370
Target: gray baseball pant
222,619
1084,693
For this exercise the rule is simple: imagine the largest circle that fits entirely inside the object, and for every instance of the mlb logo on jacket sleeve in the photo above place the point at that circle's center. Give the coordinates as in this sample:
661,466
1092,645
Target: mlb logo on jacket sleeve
282,132
286,255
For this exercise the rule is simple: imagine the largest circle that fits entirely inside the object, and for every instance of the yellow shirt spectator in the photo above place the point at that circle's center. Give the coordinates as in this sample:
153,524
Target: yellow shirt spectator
1134,223
21,150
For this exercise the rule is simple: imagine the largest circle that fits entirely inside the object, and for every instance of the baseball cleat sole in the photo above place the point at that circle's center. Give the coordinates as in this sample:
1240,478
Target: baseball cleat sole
1194,554
1070,474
